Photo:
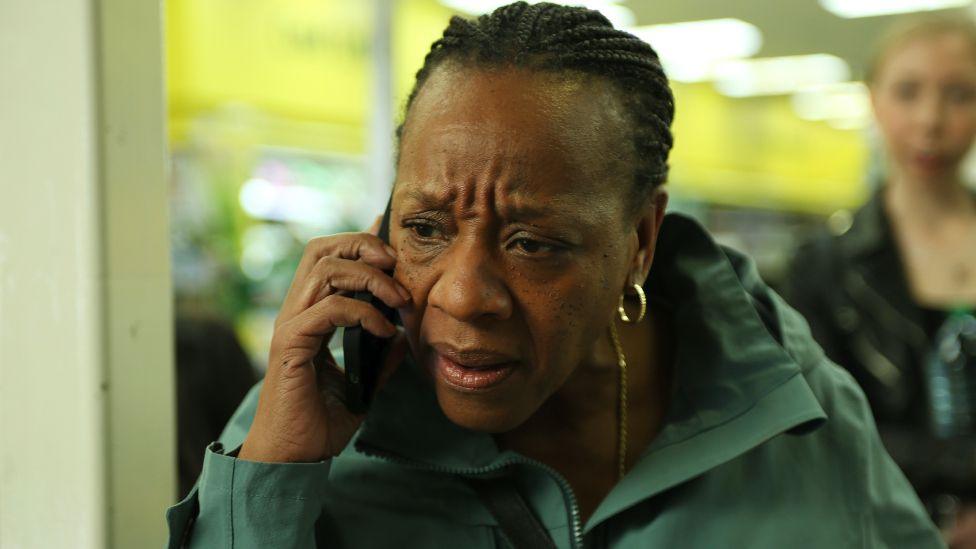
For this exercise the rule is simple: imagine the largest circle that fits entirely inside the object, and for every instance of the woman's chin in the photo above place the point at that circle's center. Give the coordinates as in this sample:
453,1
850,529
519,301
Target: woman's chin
930,171
483,415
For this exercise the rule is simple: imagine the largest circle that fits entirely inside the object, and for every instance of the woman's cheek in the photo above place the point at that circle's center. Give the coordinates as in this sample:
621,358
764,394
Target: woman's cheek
562,316
410,275
964,130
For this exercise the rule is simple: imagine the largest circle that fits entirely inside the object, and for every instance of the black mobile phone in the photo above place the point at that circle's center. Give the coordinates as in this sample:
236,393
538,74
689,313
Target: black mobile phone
364,352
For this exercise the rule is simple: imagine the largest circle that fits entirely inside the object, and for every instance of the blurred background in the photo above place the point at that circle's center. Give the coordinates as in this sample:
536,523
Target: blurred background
271,122
280,116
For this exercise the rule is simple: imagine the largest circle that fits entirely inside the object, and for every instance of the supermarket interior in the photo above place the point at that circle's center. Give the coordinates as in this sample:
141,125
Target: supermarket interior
167,164
281,111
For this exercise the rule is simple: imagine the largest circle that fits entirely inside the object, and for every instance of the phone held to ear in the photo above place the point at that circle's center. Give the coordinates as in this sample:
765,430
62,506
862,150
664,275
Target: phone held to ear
364,352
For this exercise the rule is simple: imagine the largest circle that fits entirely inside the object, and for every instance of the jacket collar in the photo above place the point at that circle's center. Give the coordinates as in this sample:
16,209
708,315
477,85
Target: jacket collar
735,385
726,357
869,232
873,271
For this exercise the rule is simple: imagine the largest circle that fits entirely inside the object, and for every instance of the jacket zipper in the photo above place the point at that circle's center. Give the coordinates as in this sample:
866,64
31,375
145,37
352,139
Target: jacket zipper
574,515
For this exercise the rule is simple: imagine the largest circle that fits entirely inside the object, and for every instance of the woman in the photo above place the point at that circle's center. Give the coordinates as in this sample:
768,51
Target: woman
537,404
909,258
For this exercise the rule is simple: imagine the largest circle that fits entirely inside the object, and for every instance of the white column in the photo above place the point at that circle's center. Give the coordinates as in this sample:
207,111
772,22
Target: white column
379,149
86,377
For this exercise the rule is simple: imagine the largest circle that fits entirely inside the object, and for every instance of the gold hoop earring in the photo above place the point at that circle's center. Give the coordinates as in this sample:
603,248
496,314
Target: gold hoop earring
643,306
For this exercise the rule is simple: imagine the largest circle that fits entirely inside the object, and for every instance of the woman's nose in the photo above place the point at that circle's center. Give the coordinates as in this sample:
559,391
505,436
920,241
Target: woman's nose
469,286
931,114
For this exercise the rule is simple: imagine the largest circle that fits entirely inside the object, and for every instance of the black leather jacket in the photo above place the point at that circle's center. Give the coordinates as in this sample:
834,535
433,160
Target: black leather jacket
851,287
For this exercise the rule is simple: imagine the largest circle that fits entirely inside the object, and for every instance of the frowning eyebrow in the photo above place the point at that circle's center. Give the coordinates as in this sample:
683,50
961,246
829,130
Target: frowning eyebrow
528,212
429,201
511,212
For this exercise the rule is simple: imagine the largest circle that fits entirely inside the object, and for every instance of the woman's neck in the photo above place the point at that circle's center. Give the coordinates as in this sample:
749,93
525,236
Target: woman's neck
583,412
587,401
576,430
927,202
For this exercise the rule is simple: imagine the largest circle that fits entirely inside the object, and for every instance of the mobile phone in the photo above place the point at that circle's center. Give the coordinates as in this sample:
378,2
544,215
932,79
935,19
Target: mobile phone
364,352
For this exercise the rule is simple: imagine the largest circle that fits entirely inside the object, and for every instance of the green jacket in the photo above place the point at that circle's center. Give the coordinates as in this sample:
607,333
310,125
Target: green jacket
767,444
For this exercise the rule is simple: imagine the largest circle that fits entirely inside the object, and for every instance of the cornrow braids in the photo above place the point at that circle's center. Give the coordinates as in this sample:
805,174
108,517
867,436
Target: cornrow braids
560,38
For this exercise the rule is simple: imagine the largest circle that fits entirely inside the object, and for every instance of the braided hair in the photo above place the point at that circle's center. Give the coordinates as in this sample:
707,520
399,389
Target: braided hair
558,38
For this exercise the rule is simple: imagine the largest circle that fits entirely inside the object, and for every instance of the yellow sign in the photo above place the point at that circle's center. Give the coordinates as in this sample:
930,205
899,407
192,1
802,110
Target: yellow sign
757,152
296,73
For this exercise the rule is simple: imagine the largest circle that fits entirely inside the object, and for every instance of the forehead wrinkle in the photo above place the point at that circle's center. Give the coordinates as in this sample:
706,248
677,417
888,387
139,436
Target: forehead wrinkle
572,212
458,139
485,181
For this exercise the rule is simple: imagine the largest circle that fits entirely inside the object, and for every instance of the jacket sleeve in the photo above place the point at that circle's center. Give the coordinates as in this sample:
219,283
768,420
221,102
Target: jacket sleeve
242,504
896,518
891,514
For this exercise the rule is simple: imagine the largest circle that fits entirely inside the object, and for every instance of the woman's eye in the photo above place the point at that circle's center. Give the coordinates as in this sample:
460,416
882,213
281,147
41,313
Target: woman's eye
960,94
906,91
529,246
425,231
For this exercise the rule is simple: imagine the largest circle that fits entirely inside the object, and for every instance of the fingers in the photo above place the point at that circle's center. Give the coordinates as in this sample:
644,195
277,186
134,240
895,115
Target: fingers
306,289
374,229
332,274
338,310
362,246
298,340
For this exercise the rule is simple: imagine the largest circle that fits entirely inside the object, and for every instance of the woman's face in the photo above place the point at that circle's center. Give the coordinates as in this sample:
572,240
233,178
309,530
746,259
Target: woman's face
924,99
510,227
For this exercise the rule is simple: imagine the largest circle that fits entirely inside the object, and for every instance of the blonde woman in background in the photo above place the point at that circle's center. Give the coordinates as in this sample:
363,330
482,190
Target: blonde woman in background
877,292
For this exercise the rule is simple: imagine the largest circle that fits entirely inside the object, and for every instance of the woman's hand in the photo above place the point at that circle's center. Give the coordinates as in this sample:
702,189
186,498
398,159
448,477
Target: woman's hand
962,534
300,415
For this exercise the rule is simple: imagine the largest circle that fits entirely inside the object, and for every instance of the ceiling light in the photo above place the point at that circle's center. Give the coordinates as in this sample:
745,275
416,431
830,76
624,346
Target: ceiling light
690,50
867,8
778,75
845,105
832,101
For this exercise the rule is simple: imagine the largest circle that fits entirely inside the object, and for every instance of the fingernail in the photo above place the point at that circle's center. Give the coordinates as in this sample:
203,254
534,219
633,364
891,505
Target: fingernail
403,293
391,251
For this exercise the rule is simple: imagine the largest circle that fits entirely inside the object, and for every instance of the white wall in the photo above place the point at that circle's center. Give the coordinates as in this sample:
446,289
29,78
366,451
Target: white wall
86,390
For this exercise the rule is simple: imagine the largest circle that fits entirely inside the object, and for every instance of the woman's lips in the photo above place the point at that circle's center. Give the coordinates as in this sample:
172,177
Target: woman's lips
929,162
471,378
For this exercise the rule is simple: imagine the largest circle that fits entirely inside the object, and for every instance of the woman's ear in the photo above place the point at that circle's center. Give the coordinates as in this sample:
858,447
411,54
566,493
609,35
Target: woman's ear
648,226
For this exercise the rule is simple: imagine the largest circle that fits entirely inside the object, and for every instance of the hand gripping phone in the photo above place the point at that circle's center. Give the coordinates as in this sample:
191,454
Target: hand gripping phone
364,352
